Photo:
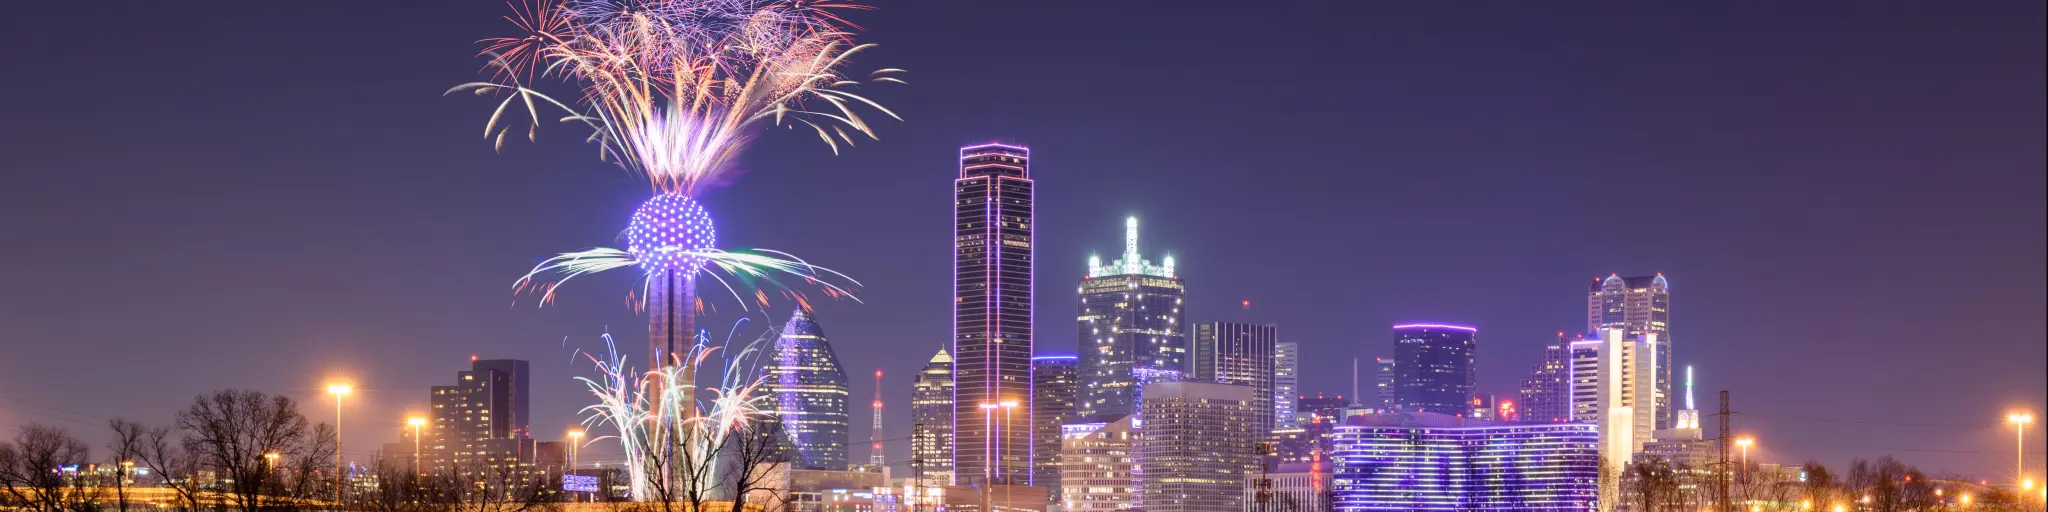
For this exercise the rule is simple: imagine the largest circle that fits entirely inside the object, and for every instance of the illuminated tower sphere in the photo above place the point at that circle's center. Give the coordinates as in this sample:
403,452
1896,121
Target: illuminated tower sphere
667,230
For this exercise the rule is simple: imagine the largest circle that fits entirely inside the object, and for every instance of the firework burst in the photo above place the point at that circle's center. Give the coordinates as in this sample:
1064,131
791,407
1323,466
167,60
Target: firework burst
673,86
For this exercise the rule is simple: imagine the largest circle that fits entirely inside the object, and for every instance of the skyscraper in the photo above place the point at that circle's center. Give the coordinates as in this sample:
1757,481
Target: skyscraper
1286,383
1627,415
1242,354
1055,387
1584,355
992,279
931,416
1433,367
1130,323
1196,446
810,394
1546,394
1098,466
481,420
1638,306
1383,385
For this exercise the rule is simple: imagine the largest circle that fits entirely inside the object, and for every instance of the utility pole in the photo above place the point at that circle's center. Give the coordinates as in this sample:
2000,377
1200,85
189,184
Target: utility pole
1265,492
916,493
1721,478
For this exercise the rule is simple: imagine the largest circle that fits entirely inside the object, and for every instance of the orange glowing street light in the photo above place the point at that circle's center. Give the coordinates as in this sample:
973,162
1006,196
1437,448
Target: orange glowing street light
2019,421
338,390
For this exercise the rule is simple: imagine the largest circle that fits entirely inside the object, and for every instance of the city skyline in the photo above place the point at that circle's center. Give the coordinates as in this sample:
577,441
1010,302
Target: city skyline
388,263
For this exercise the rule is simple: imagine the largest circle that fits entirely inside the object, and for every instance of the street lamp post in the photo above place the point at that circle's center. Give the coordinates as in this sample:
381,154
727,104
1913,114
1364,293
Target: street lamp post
1007,406
339,390
575,445
2019,421
988,421
416,423
1744,444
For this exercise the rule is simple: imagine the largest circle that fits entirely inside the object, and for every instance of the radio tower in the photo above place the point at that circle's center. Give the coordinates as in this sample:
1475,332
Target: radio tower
875,436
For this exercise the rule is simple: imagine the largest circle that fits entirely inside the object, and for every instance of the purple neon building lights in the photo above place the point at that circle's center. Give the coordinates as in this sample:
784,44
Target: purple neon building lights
993,274
670,232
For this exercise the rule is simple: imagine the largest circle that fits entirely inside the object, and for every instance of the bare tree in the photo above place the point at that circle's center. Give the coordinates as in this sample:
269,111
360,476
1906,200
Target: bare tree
165,454
123,449
32,470
757,461
1650,484
269,454
1821,487
500,487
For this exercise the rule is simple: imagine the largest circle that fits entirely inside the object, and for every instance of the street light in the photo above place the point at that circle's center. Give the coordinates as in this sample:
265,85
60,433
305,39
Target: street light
416,423
1007,406
1744,442
575,445
988,421
2019,422
339,390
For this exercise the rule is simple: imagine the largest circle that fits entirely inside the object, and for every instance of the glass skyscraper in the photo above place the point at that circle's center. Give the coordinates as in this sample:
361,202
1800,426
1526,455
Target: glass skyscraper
1433,367
1286,383
1055,387
992,279
810,394
931,418
1638,306
1426,461
1130,324
481,420
1196,445
1546,394
1242,354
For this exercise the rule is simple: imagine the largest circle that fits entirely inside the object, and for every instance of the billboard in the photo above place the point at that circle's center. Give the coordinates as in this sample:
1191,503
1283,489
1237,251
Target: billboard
579,483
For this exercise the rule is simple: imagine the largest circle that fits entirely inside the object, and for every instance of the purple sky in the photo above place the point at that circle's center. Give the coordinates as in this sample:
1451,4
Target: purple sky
1847,197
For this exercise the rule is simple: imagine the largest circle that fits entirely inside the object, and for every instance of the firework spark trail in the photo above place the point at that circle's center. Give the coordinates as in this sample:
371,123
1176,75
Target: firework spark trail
744,269
665,407
674,85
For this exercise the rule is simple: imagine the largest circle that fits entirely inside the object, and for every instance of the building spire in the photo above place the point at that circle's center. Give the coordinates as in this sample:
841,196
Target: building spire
1131,263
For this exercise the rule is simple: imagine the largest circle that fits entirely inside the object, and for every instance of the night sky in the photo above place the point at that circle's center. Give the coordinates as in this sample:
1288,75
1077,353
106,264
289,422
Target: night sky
1846,196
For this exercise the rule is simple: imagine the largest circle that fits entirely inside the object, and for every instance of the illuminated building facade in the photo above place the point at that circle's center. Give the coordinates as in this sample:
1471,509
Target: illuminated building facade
1627,414
1546,394
1241,354
1286,383
1196,446
1297,487
1055,388
1130,323
1639,306
1433,367
1383,385
1585,379
810,394
931,417
992,296
481,421
1098,466
1426,461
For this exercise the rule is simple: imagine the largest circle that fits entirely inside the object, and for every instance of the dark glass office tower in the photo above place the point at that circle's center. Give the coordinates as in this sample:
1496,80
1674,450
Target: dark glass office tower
1130,324
1433,367
1055,388
1242,354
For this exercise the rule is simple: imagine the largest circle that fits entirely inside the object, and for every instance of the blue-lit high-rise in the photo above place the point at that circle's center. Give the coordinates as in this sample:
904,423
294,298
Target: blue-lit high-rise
1433,367
1426,461
810,393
